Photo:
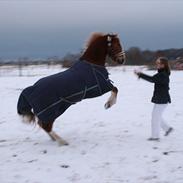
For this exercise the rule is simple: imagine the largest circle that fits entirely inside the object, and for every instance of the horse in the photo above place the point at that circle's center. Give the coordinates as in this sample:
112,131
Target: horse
51,96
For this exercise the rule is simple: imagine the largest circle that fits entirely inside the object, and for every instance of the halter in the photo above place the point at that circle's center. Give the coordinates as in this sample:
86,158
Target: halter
112,53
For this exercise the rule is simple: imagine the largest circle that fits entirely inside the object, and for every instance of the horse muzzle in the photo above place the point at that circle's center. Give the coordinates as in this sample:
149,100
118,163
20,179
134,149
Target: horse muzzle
121,61
121,58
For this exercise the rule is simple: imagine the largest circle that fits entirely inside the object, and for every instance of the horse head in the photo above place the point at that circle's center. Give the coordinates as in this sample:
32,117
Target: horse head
115,50
101,45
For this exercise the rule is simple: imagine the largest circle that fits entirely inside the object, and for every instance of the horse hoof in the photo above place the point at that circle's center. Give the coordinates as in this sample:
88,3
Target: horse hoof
66,144
107,105
61,143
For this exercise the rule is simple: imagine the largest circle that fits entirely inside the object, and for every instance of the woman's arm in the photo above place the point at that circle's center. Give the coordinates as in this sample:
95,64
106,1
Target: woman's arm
159,78
146,77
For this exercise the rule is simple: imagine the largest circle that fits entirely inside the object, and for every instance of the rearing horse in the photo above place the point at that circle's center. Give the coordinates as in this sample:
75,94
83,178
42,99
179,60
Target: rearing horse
49,97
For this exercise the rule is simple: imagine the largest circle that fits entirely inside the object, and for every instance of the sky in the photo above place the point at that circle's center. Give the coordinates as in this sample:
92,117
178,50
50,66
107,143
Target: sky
46,28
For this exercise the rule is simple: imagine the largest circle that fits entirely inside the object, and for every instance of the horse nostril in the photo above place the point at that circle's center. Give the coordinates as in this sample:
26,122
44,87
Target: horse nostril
124,60
121,60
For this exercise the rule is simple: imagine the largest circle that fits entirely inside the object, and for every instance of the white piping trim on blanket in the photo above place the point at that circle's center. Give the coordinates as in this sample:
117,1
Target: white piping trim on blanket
65,99
94,72
78,93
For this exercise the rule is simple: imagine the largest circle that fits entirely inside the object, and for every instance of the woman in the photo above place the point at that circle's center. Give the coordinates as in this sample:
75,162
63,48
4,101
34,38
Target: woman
161,97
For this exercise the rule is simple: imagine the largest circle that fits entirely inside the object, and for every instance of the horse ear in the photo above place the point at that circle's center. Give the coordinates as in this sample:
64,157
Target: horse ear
110,36
114,35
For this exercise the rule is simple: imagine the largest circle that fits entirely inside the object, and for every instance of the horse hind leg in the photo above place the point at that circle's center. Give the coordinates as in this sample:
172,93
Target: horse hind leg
47,127
58,139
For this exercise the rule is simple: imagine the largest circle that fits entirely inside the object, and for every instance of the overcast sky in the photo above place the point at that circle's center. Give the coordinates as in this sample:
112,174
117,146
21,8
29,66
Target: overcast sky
44,28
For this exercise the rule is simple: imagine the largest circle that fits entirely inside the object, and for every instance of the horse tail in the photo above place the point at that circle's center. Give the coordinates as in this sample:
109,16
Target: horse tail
24,108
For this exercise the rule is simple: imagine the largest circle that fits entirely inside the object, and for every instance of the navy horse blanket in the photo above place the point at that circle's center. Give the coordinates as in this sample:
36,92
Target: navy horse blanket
50,96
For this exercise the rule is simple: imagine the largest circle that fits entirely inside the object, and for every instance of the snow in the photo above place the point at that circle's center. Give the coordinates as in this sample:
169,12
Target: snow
105,146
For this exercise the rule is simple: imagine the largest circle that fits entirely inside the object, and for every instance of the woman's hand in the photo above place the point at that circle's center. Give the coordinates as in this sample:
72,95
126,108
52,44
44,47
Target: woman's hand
137,73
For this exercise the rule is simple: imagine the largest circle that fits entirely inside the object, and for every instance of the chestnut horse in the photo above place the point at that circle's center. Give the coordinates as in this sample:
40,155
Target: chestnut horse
49,97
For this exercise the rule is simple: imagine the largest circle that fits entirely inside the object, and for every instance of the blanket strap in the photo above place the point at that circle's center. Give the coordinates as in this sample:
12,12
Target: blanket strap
94,72
107,80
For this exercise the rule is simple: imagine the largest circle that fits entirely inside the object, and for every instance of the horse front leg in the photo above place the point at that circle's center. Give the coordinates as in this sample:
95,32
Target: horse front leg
112,99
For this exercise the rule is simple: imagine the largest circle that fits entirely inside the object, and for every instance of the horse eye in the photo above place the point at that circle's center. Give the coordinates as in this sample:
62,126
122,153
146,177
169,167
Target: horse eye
109,44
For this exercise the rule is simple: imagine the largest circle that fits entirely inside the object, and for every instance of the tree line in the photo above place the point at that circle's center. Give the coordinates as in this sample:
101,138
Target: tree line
134,56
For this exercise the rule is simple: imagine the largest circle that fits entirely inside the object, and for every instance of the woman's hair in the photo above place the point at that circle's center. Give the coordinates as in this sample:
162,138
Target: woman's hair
164,61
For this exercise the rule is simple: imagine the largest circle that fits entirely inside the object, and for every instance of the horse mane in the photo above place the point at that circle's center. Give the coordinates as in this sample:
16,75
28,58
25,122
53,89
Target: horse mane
95,50
93,37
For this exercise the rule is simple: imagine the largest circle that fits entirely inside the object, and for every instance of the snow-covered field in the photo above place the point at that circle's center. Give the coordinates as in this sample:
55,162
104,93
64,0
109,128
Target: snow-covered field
106,146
